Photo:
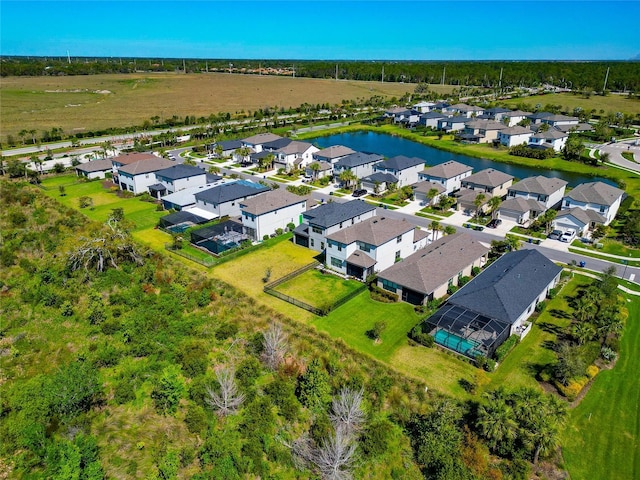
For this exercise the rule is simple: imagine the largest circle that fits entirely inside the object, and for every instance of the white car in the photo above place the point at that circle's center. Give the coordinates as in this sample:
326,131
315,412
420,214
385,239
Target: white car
568,236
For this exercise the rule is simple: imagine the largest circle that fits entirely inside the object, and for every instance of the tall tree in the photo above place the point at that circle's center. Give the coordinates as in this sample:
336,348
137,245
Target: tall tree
227,398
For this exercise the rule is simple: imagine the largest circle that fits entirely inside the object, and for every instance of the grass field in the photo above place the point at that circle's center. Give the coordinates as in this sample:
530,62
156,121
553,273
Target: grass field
610,103
74,104
316,288
602,439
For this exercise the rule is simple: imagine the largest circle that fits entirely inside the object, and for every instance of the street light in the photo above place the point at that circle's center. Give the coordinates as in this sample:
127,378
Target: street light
626,264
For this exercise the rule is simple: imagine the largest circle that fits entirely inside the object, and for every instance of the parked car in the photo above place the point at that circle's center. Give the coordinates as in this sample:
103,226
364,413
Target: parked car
568,236
555,235
494,223
359,193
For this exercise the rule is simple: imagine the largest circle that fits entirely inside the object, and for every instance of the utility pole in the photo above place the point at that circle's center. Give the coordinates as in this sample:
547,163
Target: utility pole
294,71
68,57
336,72
606,77
383,74
206,66
444,71
500,83
184,66
260,69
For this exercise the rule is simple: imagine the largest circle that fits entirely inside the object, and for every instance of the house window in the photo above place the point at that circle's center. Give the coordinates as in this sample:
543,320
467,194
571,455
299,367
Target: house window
311,242
336,262
398,238
321,245
603,209
567,203
316,230
397,255
387,285
450,282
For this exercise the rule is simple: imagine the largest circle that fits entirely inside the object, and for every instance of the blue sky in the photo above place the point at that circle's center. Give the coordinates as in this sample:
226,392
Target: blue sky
402,30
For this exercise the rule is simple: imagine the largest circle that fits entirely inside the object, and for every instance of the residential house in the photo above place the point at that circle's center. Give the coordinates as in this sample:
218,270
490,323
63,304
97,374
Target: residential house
551,138
464,110
397,113
324,169
537,117
557,120
378,182
497,303
262,215
423,107
359,163
492,182
428,273
450,174
515,117
497,113
224,200
137,177
441,105
430,119
372,245
597,196
410,120
332,154
277,144
481,131
471,201
422,190
227,147
546,190
184,199
516,135
578,220
452,124
405,169
94,169
520,210
256,142
127,159
178,177
296,155
577,128
328,218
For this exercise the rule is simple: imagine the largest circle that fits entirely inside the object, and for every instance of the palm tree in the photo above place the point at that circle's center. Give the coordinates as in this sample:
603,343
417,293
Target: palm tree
494,203
346,177
449,230
435,227
431,194
583,332
218,150
496,421
215,170
512,242
604,157
479,200
315,168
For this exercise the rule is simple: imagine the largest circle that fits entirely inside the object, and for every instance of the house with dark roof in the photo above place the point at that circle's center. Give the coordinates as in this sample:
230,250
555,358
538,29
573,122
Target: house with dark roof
516,135
515,117
94,169
578,220
224,200
405,169
372,245
430,119
497,303
332,154
428,273
464,110
557,120
138,176
226,148
423,107
181,176
496,113
537,117
596,196
323,169
378,182
359,163
550,139
270,211
276,144
183,199
328,218
452,124
450,174
255,142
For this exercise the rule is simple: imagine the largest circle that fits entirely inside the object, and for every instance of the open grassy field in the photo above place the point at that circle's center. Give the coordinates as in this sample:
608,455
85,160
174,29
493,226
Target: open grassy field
316,288
610,103
84,103
602,438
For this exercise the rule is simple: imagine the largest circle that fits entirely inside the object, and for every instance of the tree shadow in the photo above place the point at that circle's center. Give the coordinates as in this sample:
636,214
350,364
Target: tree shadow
557,313
551,328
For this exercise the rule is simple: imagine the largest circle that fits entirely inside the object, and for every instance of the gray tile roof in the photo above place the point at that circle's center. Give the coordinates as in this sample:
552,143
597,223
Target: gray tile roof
295,147
334,151
560,118
146,166
230,191
176,172
463,107
357,159
551,134
276,144
497,110
586,216
380,177
432,115
522,205
399,162
433,266
595,192
448,169
489,177
517,113
227,145
95,166
333,213
580,127
484,124
270,201
516,130
425,186
361,259
324,166
506,288
261,138
539,184
374,231
128,158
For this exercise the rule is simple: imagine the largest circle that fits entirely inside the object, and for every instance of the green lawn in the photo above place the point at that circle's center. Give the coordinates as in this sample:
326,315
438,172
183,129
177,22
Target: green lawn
526,231
602,438
317,289
351,321
440,213
610,246
631,263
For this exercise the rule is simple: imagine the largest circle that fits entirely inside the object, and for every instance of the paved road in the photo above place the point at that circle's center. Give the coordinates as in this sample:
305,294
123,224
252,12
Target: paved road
615,153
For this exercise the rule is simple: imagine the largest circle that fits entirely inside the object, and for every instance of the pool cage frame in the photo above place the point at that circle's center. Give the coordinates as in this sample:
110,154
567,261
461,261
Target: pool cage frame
178,222
220,237
465,327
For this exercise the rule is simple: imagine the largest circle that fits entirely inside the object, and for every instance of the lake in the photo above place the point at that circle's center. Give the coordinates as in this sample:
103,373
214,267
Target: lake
390,146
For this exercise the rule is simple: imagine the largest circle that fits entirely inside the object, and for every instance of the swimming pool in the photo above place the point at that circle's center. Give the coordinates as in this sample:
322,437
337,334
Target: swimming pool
456,343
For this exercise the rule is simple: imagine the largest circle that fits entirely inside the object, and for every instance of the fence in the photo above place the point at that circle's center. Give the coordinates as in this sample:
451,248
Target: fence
207,262
270,289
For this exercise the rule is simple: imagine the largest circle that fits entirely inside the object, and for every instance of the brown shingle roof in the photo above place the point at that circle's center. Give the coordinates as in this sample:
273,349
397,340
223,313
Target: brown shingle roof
146,166
270,201
261,138
95,166
539,184
489,177
361,259
448,169
425,186
335,151
433,266
129,158
374,231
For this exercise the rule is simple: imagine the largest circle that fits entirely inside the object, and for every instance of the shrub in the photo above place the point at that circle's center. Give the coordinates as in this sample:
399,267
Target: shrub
502,351
291,226
195,419
592,371
573,388
265,237
553,292
376,437
475,271
422,338
541,306
279,231
382,295
452,289
226,330
66,309
490,365
608,354
462,281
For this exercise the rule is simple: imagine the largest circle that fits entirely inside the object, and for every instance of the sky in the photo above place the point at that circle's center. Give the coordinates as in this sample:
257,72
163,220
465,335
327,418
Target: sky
347,30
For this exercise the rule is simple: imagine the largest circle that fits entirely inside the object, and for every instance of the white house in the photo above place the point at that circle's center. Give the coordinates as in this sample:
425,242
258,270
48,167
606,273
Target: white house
361,164
597,196
257,141
184,199
430,119
226,147
552,138
378,182
295,155
127,159
515,117
450,174
328,218
463,110
178,177
405,169
273,210
94,169
578,220
422,190
556,120
324,169
423,107
137,177
225,199
452,124
546,190
332,154
481,131
516,135
497,113
372,246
